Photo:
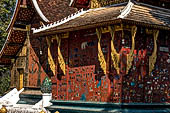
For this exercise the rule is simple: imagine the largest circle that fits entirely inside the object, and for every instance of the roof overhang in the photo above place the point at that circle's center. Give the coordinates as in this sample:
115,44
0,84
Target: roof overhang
127,14
39,11
17,8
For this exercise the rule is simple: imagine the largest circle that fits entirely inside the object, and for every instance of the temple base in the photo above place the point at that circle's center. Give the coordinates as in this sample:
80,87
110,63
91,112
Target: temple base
104,107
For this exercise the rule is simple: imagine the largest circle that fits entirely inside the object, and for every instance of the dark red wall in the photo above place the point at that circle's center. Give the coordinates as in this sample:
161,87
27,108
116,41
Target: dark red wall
84,79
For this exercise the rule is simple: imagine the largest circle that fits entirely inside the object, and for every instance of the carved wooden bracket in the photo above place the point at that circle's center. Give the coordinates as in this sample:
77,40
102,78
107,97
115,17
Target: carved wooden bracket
100,53
152,58
60,57
130,55
50,58
114,55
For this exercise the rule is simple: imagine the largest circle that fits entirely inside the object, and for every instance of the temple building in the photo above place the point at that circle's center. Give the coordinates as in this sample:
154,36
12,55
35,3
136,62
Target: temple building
92,55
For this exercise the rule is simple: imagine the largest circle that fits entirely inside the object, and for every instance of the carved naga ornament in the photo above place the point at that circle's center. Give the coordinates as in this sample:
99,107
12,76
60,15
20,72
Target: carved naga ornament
100,53
114,55
152,58
130,55
50,58
60,57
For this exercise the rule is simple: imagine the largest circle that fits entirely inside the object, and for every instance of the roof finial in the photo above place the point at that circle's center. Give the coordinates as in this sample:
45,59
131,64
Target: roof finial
126,10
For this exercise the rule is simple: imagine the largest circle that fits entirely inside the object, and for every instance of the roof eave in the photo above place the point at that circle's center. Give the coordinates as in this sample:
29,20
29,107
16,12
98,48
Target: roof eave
116,21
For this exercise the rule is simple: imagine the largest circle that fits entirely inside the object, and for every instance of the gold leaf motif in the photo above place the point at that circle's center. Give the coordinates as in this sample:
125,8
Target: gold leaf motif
95,4
114,55
130,55
100,53
60,57
152,58
50,58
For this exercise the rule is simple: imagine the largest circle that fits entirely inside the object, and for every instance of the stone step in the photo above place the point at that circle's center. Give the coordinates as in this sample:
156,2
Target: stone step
29,99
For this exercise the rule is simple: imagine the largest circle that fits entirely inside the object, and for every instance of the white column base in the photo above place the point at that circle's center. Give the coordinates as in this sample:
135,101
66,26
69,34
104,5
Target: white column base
46,99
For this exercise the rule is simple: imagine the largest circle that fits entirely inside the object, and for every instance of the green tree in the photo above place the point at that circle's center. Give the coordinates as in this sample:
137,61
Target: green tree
6,11
4,80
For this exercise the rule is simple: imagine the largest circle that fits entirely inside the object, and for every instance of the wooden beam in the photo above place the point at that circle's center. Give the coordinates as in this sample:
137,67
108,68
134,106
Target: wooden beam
23,23
15,44
19,29
23,6
8,56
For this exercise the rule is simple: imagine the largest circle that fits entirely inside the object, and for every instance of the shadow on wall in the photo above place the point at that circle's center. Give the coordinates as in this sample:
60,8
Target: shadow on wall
39,59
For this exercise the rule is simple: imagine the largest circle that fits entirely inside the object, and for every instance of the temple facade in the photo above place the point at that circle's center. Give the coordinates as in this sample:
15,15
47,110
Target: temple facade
99,51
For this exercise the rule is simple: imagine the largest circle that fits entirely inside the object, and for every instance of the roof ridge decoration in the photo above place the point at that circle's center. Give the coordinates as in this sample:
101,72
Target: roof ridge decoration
71,2
39,11
126,10
60,22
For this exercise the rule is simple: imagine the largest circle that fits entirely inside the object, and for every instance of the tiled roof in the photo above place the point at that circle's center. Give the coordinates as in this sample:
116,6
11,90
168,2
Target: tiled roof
134,12
148,14
55,10
13,44
90,17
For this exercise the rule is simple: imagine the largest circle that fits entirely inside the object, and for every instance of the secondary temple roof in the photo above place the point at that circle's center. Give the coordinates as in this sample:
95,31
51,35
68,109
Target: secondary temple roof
55,9
133,12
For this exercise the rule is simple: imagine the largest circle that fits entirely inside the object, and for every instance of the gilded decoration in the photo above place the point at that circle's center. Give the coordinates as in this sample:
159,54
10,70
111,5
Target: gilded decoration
100,53
50,58
153,57
95,4
60,57
114,55
102,3
130,55
3,109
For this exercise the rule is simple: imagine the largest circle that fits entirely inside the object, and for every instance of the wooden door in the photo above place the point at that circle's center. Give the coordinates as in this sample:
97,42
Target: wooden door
21,79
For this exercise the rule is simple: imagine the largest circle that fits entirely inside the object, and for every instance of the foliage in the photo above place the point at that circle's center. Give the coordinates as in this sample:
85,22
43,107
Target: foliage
46,86
6,11
4,80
